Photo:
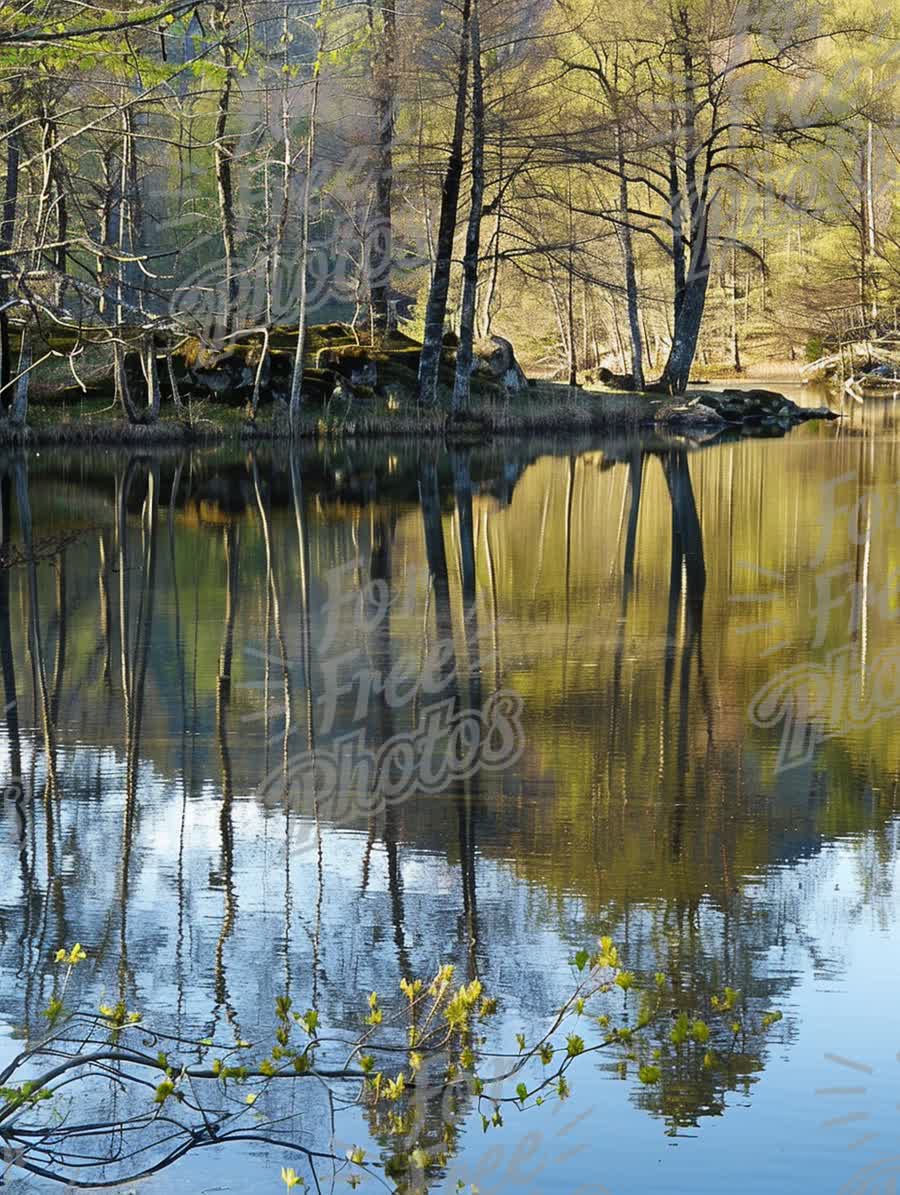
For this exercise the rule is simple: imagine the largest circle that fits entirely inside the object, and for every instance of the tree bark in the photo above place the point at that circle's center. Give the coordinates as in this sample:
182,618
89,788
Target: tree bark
631,291
487,306
464,354
436,310
381,236
274,288
570,290
735,339
296,399
224,158
151,373
7,233
18,411
224,186
689,309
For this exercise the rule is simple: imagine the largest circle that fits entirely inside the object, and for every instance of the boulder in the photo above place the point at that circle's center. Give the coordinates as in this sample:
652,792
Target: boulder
619,381
693,415
755,412
886,369
227,376
495,360
761,398
704,414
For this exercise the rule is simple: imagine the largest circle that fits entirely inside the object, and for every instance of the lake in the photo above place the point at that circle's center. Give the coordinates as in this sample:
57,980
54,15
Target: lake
693,649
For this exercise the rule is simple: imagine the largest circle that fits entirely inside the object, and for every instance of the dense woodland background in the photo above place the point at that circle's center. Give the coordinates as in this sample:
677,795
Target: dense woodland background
626,185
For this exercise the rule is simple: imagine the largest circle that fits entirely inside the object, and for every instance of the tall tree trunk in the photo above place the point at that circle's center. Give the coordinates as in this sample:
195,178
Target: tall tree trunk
381,236
676,217
631,291
689,311
120,378
7,233
296,399
274,288
570,289
464,354
151,374
62,222
18,410
869,281
677,371
224,157
490,291
436,310
735,340
135,226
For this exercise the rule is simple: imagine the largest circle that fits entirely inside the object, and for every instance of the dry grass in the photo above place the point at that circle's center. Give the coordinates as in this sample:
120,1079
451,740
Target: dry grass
753,371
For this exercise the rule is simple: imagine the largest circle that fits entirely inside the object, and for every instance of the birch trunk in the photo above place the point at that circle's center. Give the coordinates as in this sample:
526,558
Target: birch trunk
7,234
296,399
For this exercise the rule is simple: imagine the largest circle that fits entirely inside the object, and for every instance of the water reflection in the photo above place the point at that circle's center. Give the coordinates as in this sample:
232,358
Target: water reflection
176,630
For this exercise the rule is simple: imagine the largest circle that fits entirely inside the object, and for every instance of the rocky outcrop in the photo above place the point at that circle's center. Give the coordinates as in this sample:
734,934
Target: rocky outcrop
338,362
495,360
765,412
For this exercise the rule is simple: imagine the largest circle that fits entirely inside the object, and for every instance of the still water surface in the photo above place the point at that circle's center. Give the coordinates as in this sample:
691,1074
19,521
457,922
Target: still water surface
704,643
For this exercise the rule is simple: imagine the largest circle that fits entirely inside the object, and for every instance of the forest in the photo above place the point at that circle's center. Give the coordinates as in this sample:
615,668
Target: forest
285,196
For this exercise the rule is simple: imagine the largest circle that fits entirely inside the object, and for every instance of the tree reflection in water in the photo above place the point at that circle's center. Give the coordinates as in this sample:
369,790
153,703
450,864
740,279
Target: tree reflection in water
182,655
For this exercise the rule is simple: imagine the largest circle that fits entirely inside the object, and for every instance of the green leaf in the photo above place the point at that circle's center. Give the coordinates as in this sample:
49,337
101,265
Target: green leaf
574,1045
680,1030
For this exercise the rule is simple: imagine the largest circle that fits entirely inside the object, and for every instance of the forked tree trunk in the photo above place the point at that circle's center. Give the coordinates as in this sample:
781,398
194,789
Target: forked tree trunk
677,372
692,285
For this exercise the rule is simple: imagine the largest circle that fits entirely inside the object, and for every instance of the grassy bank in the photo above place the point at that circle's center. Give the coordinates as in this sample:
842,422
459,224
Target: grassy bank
545,407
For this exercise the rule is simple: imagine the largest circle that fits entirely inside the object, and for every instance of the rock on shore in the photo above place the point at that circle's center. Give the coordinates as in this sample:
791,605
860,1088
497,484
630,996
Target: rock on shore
760,410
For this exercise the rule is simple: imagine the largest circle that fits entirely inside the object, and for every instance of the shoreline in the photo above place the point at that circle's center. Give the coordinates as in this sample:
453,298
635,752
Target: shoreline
568,412
549,408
